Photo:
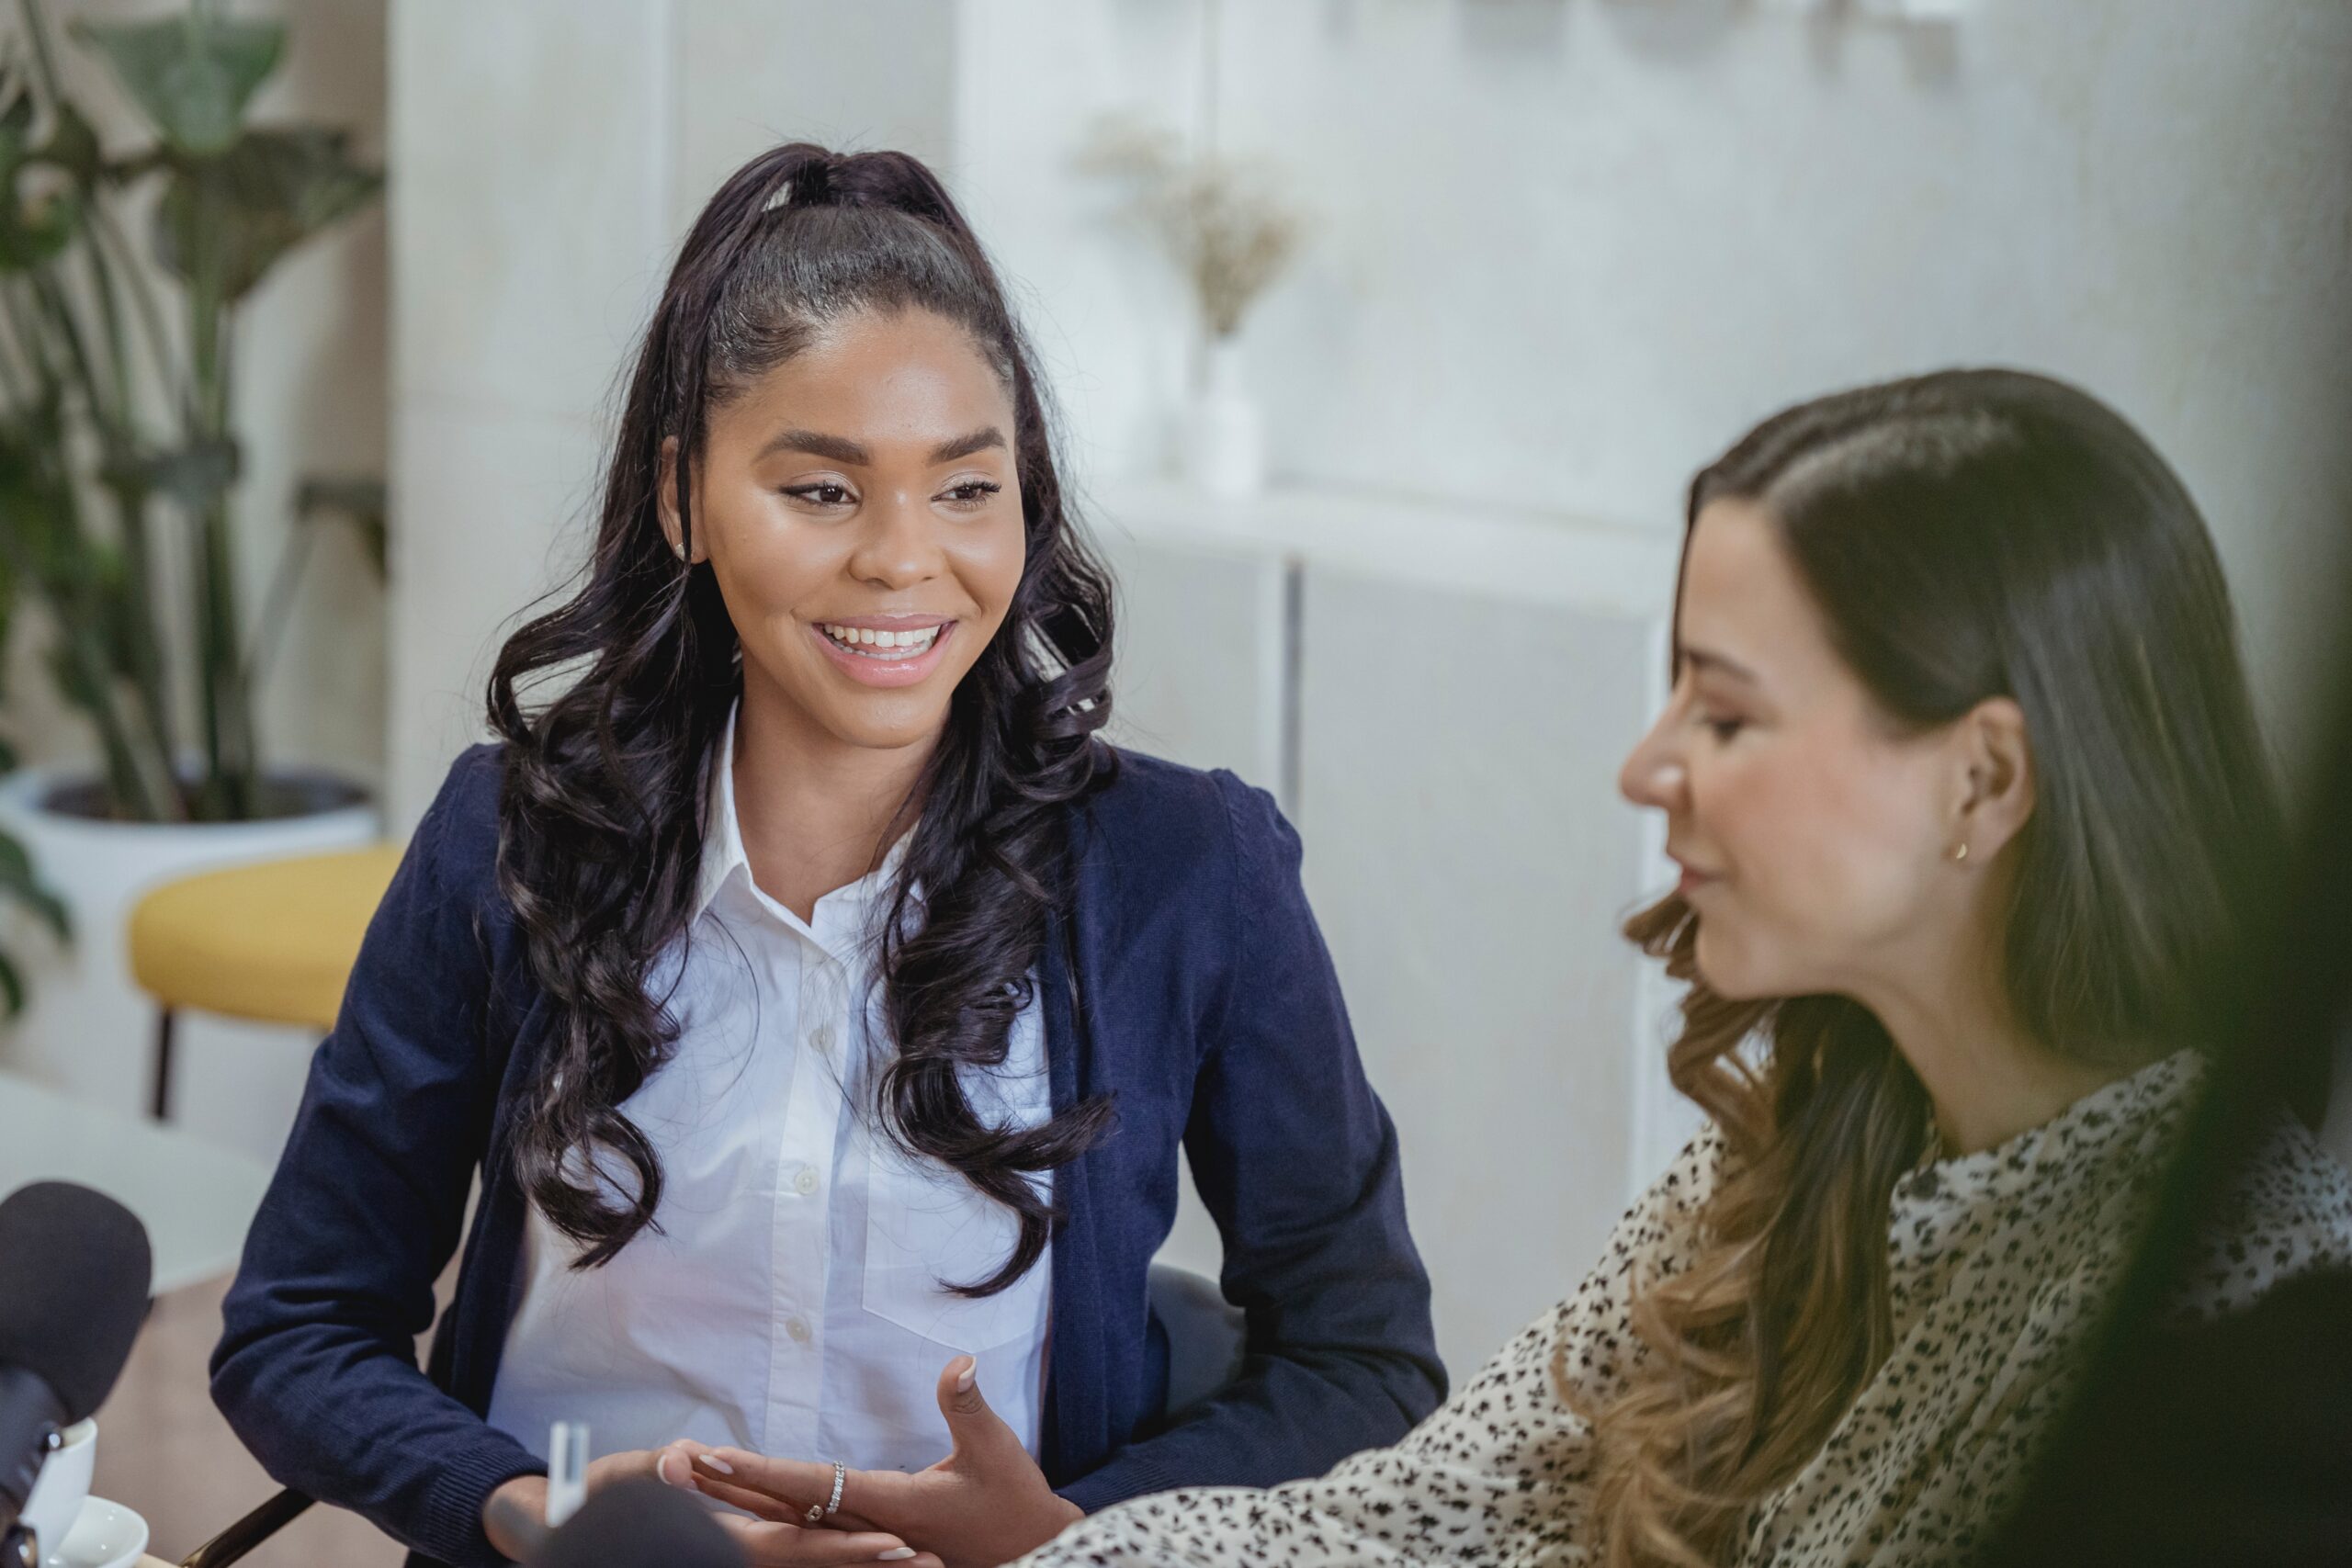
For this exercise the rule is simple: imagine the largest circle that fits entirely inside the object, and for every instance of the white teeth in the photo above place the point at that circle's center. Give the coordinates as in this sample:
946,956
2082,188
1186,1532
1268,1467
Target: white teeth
863,638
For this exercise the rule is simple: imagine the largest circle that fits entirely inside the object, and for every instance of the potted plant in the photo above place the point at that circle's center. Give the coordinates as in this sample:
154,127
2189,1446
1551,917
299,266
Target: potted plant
121,278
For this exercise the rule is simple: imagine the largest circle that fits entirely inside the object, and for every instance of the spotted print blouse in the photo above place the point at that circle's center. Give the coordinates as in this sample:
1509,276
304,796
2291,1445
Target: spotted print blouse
1998,1262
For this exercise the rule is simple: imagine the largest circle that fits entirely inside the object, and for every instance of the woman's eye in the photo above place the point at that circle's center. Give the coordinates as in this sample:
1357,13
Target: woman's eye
821,494
972,492
1725,729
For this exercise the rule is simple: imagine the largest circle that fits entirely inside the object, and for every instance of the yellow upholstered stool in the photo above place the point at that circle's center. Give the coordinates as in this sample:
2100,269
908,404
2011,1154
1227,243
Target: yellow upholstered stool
273,942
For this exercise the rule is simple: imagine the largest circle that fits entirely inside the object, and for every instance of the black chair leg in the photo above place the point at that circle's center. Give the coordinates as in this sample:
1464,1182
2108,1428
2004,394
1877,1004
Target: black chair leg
233,1543
162,1098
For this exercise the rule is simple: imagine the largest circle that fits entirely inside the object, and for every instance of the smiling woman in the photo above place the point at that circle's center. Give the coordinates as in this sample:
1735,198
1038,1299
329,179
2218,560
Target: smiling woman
885,532
779,971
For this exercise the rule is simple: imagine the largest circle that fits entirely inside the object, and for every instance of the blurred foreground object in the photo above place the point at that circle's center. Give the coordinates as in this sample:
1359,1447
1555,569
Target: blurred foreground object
639,1524
77,1270
112,418
2227,1441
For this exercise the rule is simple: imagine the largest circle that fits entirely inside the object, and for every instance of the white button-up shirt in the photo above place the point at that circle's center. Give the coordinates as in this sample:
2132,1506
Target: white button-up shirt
791,1300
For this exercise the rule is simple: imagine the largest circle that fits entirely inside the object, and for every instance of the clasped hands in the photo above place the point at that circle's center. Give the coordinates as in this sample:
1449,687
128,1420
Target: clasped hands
985,1503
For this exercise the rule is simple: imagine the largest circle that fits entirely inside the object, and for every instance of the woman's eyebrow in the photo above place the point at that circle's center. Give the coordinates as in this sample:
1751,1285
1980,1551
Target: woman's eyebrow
837,448
1707,659
965,446
840,449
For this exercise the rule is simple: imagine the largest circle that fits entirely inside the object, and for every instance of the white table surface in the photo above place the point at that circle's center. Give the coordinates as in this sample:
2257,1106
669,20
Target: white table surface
196,1199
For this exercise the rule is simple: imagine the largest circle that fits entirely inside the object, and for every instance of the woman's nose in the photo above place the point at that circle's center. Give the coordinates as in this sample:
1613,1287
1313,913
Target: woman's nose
1652,774
898,549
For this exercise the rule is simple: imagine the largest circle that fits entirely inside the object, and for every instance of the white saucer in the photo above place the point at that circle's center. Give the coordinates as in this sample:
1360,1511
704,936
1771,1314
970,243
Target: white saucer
105,1535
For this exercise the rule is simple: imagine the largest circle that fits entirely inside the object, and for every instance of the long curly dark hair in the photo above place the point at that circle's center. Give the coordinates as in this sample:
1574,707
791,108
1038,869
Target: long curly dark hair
601,816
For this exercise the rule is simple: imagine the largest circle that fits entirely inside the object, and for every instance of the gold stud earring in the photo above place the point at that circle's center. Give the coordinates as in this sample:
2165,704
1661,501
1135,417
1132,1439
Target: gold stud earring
678,549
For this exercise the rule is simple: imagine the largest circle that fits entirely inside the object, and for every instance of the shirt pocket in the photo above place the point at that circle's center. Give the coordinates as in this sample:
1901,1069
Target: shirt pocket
926,1229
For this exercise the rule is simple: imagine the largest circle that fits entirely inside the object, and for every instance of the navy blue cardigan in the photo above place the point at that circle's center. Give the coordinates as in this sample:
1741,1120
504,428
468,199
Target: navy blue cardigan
1204,1004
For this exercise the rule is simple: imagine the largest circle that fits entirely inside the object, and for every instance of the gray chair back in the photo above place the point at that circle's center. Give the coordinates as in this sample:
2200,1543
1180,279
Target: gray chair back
1206,1334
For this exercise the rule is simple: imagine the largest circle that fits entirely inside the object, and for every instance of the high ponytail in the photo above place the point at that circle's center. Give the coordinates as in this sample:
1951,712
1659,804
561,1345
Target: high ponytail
601,817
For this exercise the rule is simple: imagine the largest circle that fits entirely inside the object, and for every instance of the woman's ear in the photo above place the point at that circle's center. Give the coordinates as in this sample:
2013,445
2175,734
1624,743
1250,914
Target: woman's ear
1997,793
665,502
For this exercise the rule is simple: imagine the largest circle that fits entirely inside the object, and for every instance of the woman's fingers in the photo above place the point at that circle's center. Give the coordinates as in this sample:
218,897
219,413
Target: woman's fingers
799,1485
758,1504
785,1546
794,1480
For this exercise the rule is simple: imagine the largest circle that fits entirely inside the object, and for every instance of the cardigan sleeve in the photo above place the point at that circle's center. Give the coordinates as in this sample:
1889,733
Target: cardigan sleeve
316,1370
1501,1475
1296,1161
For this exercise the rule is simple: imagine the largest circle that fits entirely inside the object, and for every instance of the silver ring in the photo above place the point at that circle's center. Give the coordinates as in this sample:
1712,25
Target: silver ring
819,1512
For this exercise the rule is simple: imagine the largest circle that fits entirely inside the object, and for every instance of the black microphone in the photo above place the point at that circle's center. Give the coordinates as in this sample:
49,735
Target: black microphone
73,1275
639,1524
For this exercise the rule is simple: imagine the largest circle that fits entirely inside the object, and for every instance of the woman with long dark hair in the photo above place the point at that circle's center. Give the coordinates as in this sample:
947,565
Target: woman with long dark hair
1969,800
821,1003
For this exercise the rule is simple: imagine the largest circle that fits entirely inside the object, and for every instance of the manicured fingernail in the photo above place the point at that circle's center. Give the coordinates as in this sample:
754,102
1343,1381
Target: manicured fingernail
716,1463
662,1471
964,1380
900,1556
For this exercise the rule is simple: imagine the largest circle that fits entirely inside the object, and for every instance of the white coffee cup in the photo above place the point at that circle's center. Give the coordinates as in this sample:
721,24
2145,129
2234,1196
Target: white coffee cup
62,1485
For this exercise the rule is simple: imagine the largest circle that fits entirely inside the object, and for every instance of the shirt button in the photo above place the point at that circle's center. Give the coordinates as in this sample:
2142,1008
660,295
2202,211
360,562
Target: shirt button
797,1328
822,1037
806,1182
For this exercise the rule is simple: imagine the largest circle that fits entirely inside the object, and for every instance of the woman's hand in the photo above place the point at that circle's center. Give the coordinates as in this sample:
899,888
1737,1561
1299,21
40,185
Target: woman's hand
985,1503
515,1516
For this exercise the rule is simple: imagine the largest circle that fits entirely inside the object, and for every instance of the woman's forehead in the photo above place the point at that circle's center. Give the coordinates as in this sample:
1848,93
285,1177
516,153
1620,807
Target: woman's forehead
908,377
1742,600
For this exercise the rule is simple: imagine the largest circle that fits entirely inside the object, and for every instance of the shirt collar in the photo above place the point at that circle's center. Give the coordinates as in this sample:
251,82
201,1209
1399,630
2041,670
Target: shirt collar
724,860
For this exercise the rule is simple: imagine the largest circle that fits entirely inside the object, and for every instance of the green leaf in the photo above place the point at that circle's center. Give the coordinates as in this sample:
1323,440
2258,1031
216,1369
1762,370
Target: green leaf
17,110
73,146
19,881
273,190
34,233
193,75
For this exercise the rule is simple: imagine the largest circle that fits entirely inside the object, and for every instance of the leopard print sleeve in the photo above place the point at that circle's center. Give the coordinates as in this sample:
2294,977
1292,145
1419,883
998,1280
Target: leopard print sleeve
1497,1476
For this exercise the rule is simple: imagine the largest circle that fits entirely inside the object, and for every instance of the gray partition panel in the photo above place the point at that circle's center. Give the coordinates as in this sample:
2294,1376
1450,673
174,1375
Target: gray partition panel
1470,861
1197,669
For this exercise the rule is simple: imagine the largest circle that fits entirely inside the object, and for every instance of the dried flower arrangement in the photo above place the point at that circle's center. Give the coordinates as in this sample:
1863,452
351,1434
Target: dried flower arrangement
1225,222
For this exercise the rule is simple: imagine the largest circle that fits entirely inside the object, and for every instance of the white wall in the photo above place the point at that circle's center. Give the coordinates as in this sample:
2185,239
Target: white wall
1566,250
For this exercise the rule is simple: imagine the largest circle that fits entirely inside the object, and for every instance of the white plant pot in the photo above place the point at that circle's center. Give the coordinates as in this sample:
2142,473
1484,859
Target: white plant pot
1225,437
87,1028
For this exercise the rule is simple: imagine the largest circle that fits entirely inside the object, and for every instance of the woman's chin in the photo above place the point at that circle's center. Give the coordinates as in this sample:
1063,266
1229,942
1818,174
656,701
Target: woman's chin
1726,970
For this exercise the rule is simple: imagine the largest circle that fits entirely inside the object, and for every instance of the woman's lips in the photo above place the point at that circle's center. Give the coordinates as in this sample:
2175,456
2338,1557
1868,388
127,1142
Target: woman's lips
885,666
1693,880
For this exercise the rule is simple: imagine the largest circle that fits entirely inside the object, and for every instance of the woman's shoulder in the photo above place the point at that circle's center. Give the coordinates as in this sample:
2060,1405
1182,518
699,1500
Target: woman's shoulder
1155,811
456,841
2289,1213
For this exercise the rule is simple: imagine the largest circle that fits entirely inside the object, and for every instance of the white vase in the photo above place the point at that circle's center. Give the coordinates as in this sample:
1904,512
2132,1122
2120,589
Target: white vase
1225,438
87,1028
